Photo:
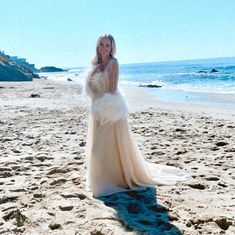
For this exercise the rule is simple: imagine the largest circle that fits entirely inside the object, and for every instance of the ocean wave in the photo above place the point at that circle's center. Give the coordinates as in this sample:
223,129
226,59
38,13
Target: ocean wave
228,67
199,87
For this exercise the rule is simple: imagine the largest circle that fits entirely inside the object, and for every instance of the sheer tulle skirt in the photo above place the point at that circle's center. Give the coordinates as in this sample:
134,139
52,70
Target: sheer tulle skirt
115,163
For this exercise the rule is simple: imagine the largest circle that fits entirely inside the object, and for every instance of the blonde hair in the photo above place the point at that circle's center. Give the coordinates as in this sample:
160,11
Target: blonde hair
98,58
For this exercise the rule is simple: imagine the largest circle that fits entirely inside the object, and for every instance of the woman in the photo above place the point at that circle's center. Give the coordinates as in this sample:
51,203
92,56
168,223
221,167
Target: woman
115,163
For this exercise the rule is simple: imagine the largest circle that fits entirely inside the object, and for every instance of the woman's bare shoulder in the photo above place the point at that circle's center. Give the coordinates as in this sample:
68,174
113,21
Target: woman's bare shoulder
113,62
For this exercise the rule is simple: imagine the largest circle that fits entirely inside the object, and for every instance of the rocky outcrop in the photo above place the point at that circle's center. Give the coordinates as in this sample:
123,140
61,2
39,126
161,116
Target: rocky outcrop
51,69
150,86
201,71
212,71
12,71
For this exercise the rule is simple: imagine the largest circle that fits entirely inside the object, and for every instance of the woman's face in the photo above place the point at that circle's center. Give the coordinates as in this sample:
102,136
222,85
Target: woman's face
104,47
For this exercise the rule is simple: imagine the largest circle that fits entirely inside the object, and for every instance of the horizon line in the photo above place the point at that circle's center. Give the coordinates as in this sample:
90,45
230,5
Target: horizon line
163,61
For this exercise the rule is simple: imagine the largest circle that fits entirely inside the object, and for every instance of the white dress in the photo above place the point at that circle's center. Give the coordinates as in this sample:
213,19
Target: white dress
114,161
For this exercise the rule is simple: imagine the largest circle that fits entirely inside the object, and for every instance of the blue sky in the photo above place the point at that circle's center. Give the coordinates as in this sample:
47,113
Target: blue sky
64,32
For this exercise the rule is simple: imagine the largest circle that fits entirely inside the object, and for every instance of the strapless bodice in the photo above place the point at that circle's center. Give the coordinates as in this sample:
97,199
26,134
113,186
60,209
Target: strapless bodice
99,83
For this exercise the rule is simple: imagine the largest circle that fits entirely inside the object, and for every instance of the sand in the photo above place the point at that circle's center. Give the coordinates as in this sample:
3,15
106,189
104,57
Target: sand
42,166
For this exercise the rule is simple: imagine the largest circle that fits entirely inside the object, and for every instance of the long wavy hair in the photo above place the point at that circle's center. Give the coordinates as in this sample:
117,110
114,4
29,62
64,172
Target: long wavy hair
98,58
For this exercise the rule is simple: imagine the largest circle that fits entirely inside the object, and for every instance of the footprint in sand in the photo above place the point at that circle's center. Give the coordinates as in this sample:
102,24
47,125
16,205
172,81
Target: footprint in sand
221,143
199,186
54,226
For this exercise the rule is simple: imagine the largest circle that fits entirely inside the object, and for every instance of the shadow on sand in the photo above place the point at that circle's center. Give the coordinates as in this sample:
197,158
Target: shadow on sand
139,211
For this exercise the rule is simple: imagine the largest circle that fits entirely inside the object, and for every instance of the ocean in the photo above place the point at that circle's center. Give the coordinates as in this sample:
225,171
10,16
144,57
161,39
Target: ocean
180,81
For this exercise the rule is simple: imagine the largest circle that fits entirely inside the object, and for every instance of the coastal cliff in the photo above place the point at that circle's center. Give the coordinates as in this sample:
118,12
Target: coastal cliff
12,71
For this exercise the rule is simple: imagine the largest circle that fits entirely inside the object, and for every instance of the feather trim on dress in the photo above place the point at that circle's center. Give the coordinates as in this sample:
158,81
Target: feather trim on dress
110,107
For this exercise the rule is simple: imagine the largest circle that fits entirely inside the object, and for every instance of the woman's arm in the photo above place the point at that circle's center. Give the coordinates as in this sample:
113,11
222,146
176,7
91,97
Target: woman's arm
113,75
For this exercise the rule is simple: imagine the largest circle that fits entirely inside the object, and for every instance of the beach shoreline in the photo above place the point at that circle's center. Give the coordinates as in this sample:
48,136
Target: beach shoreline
143,98
42,169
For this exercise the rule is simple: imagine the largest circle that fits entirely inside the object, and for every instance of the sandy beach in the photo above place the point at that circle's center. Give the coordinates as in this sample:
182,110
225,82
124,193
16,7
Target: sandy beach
43,127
